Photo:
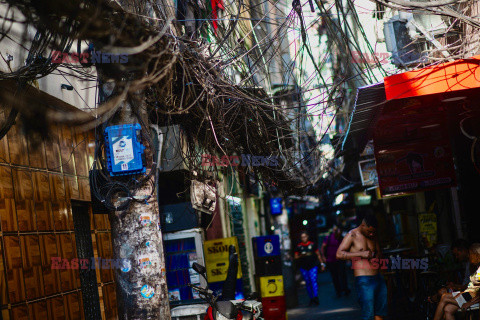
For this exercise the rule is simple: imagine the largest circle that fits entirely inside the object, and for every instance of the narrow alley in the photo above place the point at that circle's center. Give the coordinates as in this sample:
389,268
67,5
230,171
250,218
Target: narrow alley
331,307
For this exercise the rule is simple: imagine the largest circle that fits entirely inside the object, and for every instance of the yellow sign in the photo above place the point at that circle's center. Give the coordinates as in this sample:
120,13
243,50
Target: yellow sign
427,223
216,258
271,286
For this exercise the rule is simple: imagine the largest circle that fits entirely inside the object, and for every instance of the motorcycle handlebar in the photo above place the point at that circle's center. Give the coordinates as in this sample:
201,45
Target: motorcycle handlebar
207,293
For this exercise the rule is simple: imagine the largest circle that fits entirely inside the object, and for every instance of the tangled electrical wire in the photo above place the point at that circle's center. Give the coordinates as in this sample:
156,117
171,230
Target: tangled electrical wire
203,71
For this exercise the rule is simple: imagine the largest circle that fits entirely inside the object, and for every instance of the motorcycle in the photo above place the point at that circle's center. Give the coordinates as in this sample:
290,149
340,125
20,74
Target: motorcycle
226,307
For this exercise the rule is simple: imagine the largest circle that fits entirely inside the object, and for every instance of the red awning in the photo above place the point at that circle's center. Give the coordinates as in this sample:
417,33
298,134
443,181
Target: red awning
446,77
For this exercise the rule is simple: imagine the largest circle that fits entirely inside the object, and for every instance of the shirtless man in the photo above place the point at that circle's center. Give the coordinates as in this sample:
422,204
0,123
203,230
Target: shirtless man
361,246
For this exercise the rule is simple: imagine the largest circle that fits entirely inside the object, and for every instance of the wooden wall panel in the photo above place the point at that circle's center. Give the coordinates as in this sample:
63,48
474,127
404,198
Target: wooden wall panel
23,184
38,199
100,221
8,215
13,253
20,313
17,146
3,280
84,188
105,251
71,188
34,287
30,251
4,153
51,280
90,148
57,187
26,215
60,215
48,248
57,310
52,151
110,300
16,286
6,182
75,309
44,214
38,310
41,186
66,150
36,154
67,252
80,154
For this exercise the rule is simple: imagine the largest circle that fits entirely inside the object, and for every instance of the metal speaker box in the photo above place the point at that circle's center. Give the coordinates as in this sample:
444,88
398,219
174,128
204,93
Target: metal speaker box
178,216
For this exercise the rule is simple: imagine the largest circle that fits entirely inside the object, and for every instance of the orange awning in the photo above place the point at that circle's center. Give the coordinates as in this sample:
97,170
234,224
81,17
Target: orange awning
446,77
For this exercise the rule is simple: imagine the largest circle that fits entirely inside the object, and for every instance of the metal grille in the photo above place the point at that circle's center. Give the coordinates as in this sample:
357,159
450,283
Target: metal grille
88,279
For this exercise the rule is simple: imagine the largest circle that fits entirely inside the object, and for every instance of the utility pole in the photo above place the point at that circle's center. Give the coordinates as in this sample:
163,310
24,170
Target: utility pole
137,240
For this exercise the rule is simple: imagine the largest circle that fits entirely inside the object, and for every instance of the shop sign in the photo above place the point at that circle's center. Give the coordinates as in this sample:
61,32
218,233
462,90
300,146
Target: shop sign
368,172
362,199
267,246
427,223
415,167
217,257
275,206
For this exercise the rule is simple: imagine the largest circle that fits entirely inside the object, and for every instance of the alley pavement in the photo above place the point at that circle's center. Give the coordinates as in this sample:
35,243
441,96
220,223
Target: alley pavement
331,307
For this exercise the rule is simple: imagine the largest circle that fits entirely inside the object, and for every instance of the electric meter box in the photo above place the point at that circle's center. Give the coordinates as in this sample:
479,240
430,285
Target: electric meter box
124,149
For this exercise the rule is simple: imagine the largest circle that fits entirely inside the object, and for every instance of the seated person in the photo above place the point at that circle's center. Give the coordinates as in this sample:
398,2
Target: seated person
460,249
451,302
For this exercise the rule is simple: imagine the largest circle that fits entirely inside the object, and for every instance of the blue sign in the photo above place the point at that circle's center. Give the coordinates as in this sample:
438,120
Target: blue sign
267,246
276,206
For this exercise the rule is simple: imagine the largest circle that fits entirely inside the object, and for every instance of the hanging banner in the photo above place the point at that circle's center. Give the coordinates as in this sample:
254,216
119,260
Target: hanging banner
415,167
216,258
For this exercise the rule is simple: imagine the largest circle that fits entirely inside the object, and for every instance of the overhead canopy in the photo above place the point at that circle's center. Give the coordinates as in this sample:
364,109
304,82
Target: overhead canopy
368,106
446,77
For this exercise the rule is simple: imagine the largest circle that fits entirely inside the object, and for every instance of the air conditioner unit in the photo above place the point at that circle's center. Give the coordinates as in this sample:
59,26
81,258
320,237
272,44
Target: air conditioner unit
400,44
432,23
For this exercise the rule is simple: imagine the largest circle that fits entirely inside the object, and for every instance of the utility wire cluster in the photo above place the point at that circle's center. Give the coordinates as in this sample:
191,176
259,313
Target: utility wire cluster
205,73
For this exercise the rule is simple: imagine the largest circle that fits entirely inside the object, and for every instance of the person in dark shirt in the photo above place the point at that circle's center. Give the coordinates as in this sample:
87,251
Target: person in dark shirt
336,267
306,255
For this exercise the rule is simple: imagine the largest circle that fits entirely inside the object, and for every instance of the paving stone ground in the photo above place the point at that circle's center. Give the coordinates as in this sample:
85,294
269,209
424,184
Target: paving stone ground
331,307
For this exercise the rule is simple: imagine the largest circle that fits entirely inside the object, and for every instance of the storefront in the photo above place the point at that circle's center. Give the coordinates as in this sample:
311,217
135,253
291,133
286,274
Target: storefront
424,125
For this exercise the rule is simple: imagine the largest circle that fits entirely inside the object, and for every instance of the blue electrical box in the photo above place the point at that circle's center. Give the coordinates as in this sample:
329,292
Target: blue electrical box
276,206
124,149
266,246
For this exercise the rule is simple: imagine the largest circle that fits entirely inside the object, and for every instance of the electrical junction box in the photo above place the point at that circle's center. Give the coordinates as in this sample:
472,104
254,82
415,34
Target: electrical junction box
124,149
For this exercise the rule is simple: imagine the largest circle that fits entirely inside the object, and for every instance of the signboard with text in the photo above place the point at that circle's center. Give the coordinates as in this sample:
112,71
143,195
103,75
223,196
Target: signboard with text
216,258
415,166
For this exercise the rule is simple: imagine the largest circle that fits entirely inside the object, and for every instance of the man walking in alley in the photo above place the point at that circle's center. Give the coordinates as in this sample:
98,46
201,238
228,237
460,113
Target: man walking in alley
336,267
306,255
361,246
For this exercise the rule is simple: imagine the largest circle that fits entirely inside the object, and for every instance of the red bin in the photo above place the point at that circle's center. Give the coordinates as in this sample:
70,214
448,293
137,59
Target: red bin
274,308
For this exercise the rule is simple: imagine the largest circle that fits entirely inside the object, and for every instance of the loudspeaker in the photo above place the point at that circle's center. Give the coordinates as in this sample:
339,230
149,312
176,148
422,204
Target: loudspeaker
173,187
178,216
